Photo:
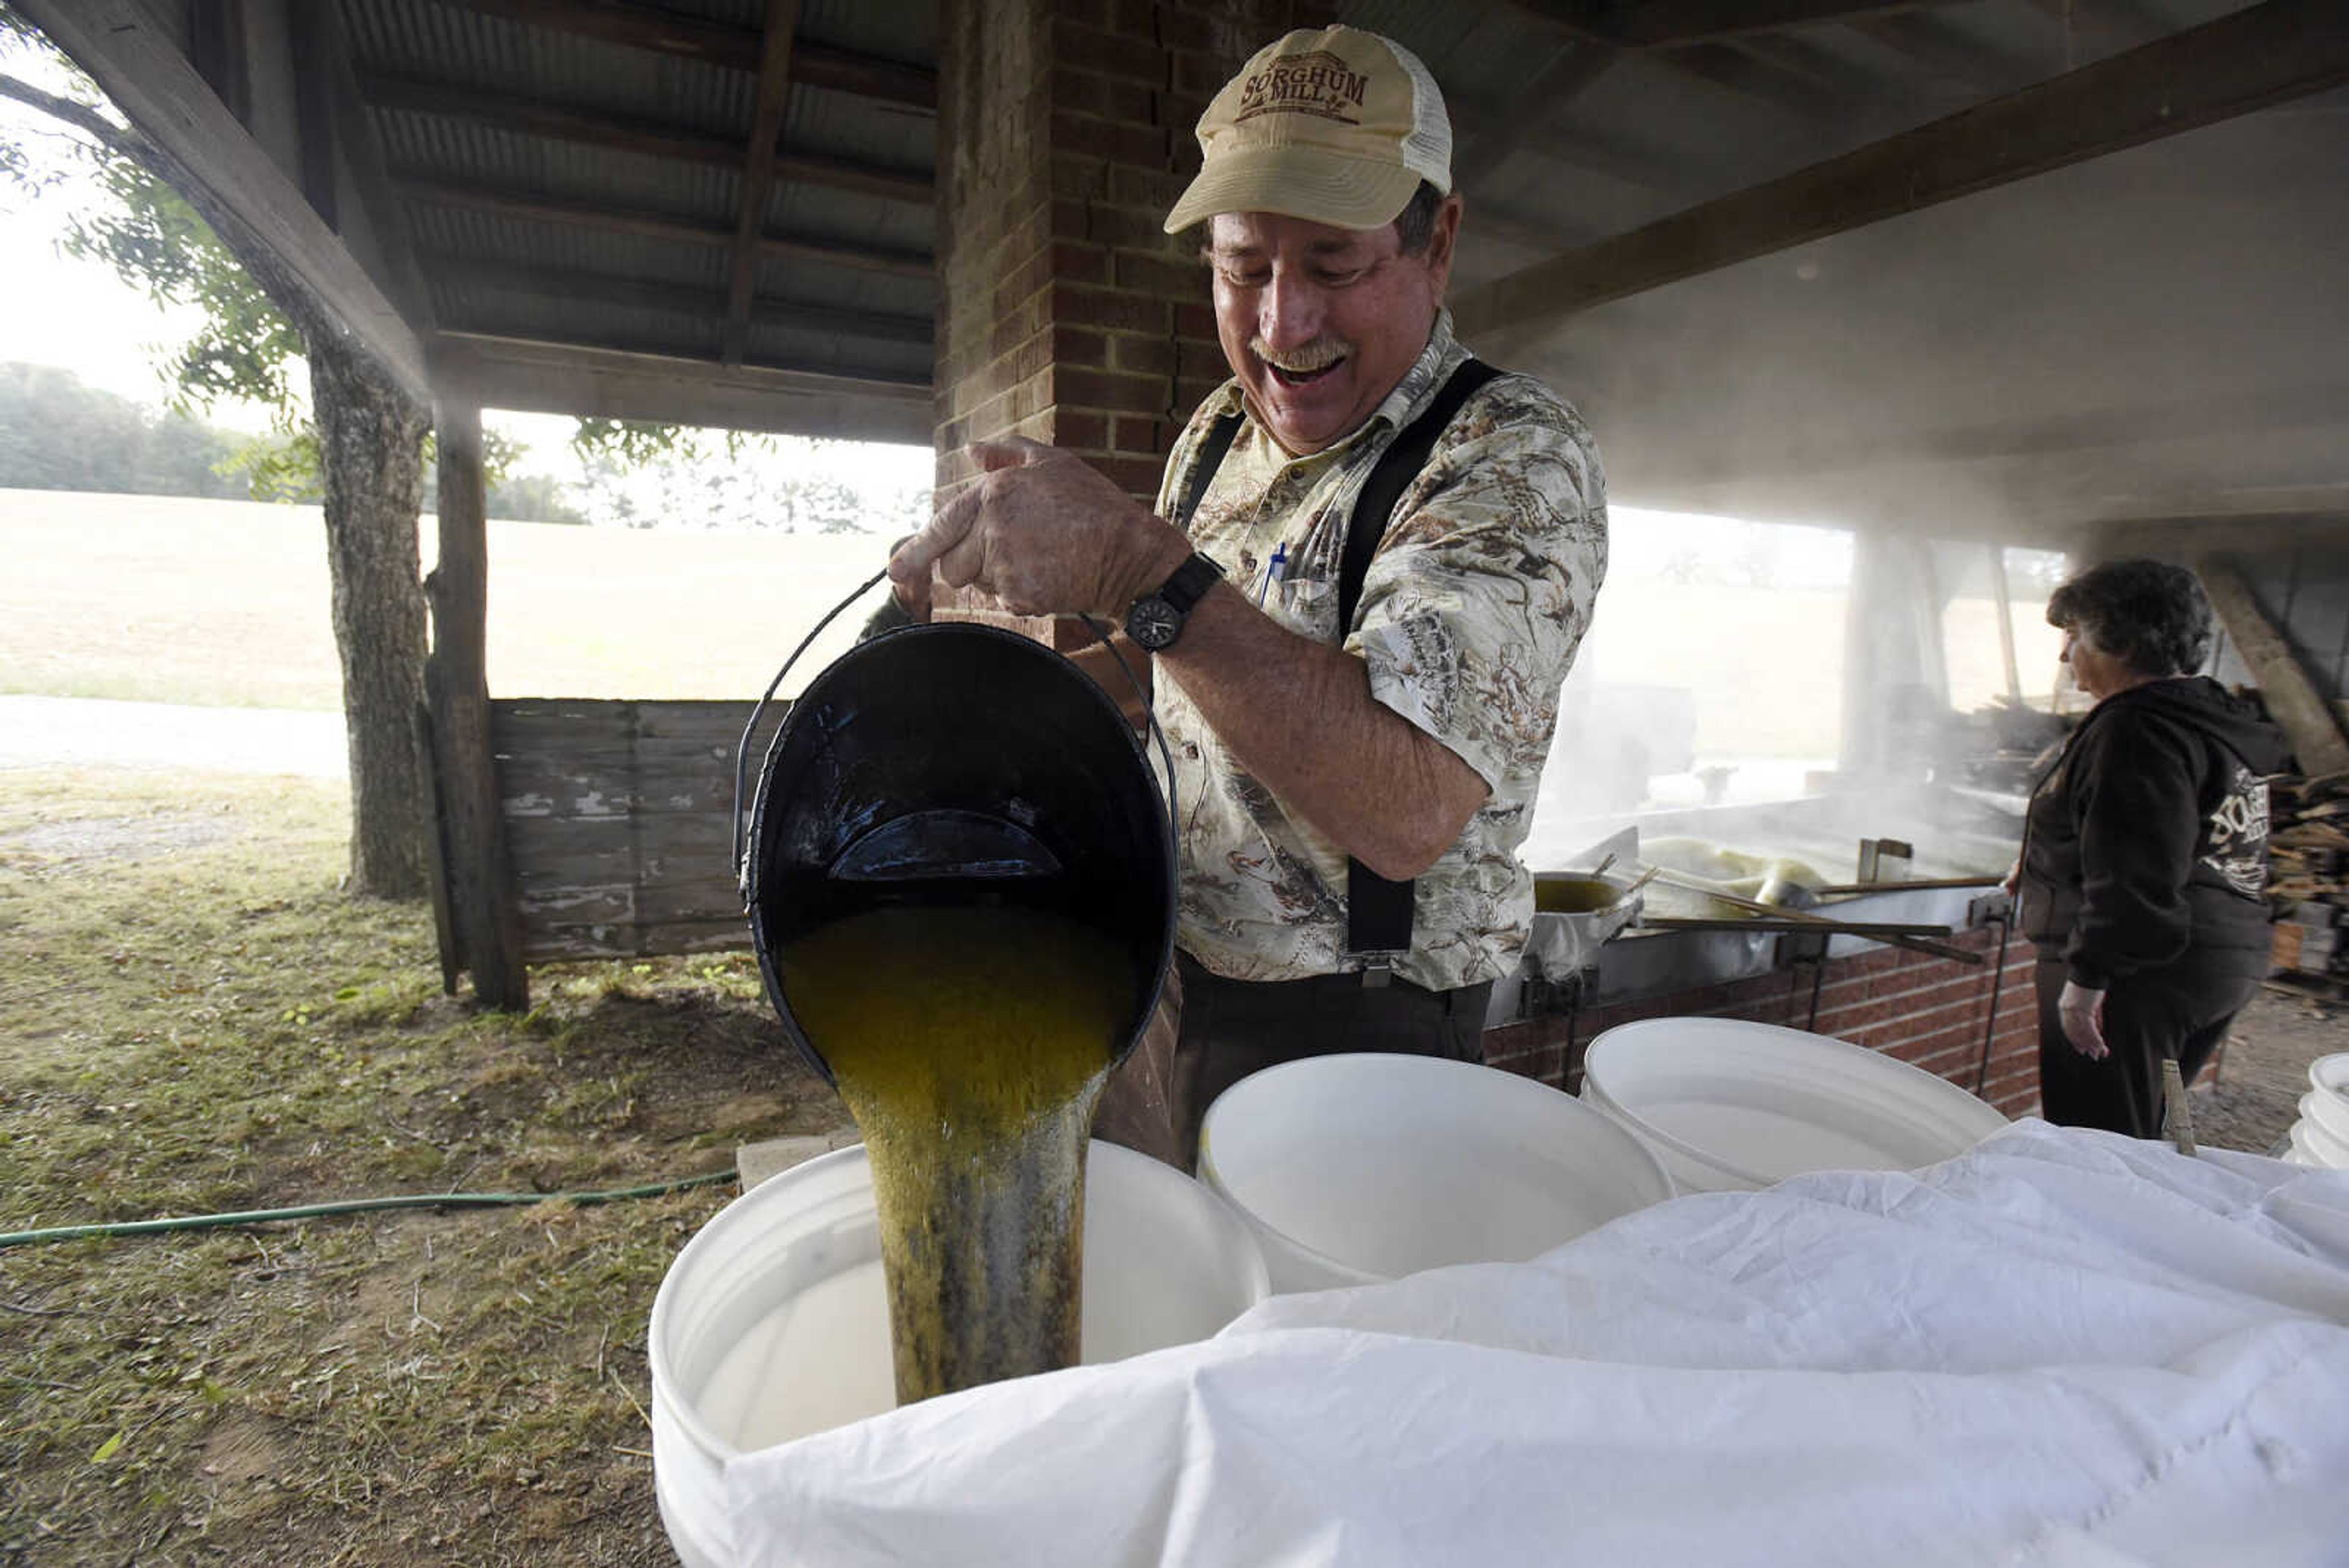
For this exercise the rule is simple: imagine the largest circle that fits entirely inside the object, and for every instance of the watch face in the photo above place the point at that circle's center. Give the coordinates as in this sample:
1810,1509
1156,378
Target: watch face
1153,622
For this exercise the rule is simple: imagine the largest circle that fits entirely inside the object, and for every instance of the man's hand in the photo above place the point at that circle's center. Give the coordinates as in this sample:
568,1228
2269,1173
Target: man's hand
2011,883
2082,1012
1042,532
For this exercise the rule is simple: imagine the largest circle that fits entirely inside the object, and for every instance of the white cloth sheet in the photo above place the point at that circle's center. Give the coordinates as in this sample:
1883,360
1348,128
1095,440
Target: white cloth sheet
2066,1349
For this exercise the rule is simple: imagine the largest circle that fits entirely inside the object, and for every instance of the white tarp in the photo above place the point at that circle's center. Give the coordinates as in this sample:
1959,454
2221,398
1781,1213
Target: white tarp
2064,1348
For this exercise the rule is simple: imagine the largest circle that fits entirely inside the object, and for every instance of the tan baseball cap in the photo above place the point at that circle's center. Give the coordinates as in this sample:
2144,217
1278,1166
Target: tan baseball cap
1338,126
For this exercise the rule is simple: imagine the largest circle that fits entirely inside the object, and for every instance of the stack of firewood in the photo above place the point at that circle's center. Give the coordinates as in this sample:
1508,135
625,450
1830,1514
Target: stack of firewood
2308,874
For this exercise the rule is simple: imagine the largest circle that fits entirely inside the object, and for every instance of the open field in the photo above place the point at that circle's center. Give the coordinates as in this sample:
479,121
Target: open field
218,602
161,599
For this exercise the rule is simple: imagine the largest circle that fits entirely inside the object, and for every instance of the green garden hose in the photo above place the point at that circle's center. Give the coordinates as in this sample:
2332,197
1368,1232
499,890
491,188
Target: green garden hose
353,1205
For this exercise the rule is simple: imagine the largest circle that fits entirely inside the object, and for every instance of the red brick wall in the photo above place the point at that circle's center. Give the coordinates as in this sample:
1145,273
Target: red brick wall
1928,1011
1065,133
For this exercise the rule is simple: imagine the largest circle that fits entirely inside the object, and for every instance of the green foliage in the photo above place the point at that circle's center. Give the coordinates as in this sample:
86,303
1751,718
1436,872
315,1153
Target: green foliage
155,243
639,443
534,498
57,433
278,467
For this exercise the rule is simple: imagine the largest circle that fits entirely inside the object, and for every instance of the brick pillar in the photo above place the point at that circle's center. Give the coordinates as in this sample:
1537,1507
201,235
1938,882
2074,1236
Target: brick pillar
1064,134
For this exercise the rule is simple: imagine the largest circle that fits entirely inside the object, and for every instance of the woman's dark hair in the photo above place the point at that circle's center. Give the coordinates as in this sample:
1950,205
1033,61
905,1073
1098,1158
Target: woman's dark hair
2149,615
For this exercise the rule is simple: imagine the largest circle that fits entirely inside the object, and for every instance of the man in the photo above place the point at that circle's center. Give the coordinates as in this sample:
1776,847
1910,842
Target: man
1352,778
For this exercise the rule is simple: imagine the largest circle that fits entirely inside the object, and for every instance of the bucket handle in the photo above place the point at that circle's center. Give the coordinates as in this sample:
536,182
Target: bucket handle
742,747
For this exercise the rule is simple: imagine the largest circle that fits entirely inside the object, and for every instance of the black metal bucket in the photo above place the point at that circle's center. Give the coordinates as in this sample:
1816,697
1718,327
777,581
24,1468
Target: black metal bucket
958,764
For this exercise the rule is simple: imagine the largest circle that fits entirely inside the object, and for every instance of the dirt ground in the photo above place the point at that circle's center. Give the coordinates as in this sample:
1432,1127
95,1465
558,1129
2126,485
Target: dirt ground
2255,1096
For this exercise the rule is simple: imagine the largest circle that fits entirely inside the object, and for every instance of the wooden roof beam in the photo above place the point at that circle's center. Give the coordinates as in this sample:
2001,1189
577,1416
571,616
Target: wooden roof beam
1497,135
2298,406
2293,701
722,44
1660,24
772,99
2193,535
1749,75
2264,55
138,66
622,384
682,299
616,133
1928,41
599,215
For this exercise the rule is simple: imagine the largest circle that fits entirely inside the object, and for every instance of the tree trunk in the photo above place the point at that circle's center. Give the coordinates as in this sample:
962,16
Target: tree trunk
371,448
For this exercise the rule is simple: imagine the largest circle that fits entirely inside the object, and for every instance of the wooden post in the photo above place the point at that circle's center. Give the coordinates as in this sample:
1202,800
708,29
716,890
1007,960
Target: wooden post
484,924
2293,701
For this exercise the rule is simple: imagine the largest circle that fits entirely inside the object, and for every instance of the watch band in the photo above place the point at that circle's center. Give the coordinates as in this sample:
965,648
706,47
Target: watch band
1157,616
1191,582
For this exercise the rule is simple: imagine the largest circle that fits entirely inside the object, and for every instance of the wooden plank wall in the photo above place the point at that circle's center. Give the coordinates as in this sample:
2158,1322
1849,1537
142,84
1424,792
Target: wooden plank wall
618,824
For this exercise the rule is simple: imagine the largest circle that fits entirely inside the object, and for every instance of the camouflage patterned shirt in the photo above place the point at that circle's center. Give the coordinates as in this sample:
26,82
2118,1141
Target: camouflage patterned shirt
1479,593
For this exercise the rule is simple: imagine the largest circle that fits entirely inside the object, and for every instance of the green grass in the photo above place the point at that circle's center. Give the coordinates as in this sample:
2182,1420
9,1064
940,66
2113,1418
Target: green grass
193,1019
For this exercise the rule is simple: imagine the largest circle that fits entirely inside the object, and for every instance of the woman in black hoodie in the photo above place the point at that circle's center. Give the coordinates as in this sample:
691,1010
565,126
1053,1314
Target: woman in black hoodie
2144,852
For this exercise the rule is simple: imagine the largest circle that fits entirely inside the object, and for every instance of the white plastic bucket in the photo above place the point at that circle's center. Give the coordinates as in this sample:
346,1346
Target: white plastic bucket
1361,1167
1731,1106
2329,1076
773,1322
2314,1136
2327,1111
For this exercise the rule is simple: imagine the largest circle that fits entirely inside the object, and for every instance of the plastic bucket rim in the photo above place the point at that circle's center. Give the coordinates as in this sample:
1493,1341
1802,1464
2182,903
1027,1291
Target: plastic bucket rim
771,978
1705,1159
2330,1073
1843,1053
708,1240
666,1382
2326,1110
1352,1273
2318,1146
2323,1138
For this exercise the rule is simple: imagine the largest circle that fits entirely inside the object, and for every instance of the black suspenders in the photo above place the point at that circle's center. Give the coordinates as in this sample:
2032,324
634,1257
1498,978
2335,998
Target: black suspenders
1378,910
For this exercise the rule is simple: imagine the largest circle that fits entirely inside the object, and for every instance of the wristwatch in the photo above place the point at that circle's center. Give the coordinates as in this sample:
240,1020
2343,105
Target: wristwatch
1156,619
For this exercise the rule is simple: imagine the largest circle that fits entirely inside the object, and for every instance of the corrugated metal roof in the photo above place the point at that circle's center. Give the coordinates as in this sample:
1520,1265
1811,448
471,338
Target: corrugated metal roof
1553,155
454,44
455,233
493,160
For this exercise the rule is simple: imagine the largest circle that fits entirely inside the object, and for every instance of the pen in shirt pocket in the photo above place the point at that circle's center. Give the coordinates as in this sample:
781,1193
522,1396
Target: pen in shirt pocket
1273,569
